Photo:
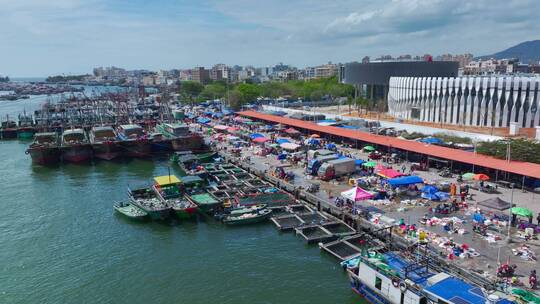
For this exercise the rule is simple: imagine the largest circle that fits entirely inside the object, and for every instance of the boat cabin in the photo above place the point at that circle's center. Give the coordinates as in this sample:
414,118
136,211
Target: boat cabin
176,129
104,133
48,138
73,136
131,131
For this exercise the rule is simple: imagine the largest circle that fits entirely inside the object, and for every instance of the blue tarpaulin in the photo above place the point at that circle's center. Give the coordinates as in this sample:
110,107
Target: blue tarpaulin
282,156
479,217
331,146
313,141
359,162
203,120
405,180
282,141
217,115
255,135
432,141
430,189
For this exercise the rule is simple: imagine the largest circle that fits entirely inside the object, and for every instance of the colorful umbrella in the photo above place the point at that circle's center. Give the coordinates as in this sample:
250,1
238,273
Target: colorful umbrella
481,176
468,176
370,164
522,211
369,148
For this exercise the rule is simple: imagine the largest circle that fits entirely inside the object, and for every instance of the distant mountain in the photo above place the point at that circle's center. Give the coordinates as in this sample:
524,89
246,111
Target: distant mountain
527,52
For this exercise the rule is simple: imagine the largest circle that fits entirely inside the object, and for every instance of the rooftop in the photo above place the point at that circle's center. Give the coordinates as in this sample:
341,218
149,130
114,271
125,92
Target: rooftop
516,167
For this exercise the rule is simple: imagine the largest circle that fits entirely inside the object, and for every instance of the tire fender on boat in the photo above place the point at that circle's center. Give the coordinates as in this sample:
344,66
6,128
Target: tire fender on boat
403,287
395,282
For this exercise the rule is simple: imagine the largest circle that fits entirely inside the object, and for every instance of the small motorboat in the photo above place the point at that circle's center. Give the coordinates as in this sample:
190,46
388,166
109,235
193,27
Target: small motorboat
131,211
248,218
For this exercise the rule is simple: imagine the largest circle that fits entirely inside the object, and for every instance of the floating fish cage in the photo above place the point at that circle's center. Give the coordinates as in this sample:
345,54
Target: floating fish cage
255,182
287,222
274,199
299,208
315,234
279,211
312,218
341,249
340,229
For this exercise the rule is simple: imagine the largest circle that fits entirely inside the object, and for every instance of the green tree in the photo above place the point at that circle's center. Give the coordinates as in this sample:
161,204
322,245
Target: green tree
235,100
248,92
213,91
191,88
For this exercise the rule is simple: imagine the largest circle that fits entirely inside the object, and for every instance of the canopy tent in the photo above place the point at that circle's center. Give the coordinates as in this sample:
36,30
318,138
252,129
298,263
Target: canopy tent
369,148
432,141
482,177
282,141
255,135
289,146
312,141
203,120
432,193
241,119
359,162
260,139
468,176
217,115
221,127
370,164
356,194
389,173
495,203
405,180
291,131
331,146
522,211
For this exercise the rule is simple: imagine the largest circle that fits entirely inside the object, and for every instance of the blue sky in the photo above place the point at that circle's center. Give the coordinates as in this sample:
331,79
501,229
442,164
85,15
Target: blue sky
44,37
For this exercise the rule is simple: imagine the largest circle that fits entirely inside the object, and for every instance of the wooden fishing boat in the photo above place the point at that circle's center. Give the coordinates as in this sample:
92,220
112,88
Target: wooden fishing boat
75,146
159,143
26,128
248,218
147,200
45,149
131,211
169,191
104,143
238,211
8,129
134,140
207,202
180,136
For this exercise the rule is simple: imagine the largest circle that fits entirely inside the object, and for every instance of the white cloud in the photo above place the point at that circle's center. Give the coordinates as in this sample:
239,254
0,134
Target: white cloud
56,36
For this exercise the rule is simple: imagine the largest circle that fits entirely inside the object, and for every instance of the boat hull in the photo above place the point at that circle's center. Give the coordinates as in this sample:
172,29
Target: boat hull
77,153
106,150
161,145
44,155
136,148
9,134
186,213
247,221
26,133
187,143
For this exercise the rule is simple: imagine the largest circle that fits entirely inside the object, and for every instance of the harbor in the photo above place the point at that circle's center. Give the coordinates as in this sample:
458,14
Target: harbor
245,174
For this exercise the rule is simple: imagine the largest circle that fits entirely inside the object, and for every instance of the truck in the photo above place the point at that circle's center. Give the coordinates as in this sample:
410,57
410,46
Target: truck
312,154
314,164
336,168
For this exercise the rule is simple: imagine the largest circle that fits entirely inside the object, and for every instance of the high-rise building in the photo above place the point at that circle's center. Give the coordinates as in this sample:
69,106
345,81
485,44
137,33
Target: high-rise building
200,75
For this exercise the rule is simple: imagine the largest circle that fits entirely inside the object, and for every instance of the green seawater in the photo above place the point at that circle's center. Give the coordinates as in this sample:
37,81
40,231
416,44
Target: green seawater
61,242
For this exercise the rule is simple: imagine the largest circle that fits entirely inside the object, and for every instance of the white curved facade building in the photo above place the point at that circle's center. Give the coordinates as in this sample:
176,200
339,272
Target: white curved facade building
490,101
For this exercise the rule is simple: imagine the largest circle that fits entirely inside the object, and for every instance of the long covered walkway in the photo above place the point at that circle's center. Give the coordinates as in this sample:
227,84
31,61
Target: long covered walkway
525,169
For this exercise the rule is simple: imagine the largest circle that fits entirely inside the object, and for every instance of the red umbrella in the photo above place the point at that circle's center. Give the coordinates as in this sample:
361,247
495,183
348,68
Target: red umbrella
481,177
